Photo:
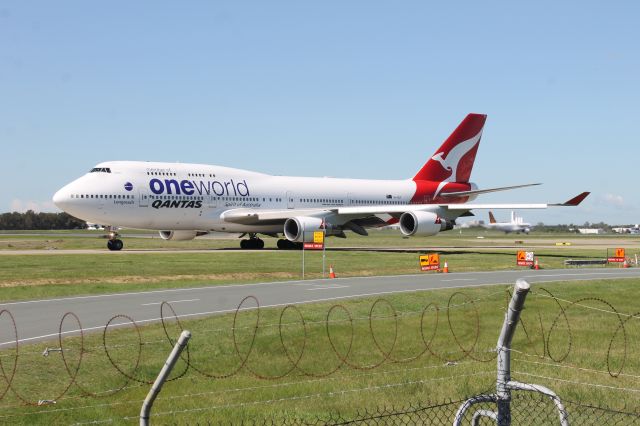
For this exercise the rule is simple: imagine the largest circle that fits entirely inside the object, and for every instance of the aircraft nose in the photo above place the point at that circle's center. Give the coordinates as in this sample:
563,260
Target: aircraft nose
61,198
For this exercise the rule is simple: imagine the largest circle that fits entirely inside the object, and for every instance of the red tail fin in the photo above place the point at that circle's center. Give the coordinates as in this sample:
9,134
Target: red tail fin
491,218
453,161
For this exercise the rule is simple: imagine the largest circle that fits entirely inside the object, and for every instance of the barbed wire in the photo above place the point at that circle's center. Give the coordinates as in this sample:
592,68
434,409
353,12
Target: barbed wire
613,311
568,366
72,356
575,382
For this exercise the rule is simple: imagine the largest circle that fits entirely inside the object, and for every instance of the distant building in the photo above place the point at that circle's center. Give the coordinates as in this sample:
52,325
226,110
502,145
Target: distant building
591,231
627,230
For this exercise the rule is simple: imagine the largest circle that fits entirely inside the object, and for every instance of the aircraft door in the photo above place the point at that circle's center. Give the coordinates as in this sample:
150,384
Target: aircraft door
212,201
143,198
290,200
349,200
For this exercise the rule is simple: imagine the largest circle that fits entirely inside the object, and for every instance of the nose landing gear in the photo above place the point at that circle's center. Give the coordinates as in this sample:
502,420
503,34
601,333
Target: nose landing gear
114,243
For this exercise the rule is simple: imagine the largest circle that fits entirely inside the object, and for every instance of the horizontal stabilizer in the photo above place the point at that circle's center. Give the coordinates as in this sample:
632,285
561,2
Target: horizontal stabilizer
485,191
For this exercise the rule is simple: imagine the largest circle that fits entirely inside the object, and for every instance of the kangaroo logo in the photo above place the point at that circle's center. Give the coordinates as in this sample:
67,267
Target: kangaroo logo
451,161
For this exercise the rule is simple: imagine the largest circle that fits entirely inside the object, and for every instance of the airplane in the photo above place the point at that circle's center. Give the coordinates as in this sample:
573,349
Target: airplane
184,201
94,226
516,224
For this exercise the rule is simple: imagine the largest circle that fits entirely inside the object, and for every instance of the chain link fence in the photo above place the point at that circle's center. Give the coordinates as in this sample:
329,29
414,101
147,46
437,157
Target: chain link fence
527,409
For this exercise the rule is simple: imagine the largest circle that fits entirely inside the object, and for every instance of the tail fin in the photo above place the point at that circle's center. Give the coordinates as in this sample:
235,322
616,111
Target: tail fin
491,218
453,161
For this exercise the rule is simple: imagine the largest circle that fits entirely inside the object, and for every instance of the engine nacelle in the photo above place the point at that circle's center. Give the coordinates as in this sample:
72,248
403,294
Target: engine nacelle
423,224
180,235
296,227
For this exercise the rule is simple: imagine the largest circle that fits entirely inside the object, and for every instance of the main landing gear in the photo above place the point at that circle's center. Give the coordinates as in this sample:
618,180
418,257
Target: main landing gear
114,243
253,243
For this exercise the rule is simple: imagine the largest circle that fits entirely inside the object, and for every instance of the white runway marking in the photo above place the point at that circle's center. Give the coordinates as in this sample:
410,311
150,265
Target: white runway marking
169,301
460,279
327,287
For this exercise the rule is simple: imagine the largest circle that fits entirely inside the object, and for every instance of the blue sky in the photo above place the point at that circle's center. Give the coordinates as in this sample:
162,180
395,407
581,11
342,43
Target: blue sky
333,88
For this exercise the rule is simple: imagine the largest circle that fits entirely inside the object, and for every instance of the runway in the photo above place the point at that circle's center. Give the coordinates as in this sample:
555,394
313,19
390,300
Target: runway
39,319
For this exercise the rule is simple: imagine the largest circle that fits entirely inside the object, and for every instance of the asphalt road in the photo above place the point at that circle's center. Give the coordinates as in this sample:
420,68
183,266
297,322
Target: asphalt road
40,319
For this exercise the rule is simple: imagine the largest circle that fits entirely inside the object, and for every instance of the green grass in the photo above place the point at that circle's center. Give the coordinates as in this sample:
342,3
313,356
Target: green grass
34,276
388,363
137,240
61,273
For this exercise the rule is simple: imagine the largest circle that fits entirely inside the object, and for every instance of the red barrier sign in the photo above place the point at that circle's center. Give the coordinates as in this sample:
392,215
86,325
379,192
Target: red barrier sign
430,262
618,256
524,258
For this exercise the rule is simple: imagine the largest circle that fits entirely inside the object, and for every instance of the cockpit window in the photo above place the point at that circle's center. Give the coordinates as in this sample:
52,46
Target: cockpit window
100,170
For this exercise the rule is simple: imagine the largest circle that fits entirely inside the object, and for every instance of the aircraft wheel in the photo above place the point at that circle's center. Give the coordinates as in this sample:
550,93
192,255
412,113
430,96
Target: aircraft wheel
115,245
259,244
244,244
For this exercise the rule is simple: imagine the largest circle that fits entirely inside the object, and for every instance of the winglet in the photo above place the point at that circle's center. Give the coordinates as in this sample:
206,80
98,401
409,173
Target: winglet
575,200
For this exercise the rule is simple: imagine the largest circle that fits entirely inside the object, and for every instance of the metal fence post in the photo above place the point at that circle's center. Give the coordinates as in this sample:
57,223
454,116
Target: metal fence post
502,397
509,325
145,411
504,384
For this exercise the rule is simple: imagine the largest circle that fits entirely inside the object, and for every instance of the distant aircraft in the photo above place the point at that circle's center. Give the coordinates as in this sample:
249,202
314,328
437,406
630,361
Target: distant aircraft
516,224
184,201
94,226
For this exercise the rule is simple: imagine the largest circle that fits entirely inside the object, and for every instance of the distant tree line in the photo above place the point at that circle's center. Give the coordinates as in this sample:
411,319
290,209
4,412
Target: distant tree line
572,228
32,220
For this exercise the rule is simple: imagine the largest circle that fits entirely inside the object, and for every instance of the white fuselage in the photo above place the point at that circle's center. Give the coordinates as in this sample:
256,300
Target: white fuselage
510,227
174,196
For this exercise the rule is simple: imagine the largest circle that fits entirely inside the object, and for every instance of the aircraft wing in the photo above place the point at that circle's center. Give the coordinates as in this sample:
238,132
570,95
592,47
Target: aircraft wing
461,206
266,217
269,217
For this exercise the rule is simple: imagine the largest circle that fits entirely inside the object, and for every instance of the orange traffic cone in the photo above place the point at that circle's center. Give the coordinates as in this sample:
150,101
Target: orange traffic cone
332,274
536,266
445,270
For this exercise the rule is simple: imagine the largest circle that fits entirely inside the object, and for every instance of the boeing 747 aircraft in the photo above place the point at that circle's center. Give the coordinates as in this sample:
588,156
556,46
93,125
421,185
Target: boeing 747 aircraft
183,201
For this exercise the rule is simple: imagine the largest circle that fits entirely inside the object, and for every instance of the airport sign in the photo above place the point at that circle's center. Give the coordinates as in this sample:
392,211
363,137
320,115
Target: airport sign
318,241
617,257
524,258
429,262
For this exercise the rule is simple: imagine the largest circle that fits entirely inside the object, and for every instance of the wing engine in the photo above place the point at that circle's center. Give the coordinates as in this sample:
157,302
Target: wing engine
426,224
301,228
